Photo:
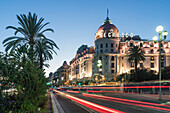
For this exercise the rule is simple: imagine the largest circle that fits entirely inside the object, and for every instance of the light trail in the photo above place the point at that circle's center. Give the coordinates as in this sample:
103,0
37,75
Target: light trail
72,91
101,91
93,106
121,87
130,102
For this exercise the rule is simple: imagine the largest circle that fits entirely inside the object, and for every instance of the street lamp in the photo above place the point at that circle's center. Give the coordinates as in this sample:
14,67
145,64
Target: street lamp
99,64
159,29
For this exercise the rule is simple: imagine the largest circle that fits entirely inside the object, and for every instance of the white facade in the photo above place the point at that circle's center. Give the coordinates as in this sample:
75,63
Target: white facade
112,51
81,65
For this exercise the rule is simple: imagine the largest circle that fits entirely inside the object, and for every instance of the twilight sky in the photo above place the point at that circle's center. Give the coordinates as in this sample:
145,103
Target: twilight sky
75,22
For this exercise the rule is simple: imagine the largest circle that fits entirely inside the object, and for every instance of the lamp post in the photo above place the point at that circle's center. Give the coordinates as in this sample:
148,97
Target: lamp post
99,64
159,29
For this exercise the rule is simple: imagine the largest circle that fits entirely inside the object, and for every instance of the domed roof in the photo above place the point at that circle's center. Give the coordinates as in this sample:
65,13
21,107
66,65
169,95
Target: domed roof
107,30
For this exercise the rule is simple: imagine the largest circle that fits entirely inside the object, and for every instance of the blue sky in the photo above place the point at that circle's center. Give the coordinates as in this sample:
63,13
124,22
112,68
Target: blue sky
75,22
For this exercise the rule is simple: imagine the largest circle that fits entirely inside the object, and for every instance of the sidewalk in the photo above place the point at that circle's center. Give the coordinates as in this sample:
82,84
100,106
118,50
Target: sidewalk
56,106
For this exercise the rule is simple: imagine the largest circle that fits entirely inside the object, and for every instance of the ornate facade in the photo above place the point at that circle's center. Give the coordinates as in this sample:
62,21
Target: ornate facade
112,49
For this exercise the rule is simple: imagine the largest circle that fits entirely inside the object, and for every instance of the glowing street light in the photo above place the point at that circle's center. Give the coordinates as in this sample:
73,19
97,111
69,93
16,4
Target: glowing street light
99,64
159,29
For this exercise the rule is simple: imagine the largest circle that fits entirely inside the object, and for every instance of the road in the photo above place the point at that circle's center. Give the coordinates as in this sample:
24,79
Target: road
69,106
126,107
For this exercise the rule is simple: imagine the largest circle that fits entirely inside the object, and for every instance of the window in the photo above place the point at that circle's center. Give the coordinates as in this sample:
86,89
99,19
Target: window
162,64
132,64
112,65
131,44
152,58
141,65
101,51
106,50
113,58
151,45
152,65
122,64
112,71
111,50
116,45
141,44
162,57
122,58
151,50
84,68
101,45
100,58
106,45
97,46
84,62
111,44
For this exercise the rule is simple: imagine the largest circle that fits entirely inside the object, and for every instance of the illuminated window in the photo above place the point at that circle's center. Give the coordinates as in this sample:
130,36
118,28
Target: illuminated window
151,44
152,58
162,57
132,64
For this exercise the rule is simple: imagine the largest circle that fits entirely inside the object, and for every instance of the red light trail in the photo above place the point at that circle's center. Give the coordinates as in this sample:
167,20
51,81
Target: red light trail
93,106
130,102
121,87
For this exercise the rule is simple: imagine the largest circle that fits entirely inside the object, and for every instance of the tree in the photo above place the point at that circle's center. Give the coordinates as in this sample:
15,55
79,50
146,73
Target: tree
32,30
166,73
44,50
136,54
28,82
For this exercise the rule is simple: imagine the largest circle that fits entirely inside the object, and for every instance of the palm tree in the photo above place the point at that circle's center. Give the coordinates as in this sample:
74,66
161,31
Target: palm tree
136,54
44,50
32,30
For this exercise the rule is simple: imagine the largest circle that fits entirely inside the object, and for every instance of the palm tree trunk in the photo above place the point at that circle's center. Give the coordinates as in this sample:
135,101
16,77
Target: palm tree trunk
41,61
136,69
31,52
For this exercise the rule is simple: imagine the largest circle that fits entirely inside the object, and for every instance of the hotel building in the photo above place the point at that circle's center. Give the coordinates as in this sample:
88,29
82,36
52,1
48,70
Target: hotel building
112,49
